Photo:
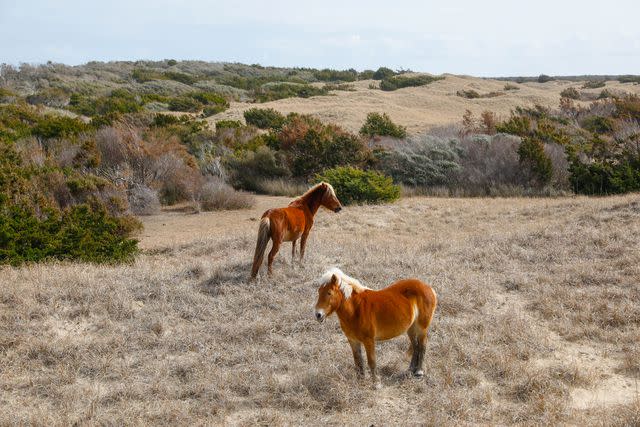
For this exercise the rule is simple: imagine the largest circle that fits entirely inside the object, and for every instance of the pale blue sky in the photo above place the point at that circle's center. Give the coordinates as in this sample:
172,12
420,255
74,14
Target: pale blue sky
484,38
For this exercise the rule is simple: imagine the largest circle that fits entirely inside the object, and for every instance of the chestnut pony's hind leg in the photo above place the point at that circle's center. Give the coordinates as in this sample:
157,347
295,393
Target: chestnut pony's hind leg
277,240
293,251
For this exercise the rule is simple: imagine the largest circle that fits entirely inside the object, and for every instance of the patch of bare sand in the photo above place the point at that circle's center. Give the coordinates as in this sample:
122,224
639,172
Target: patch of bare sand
420,108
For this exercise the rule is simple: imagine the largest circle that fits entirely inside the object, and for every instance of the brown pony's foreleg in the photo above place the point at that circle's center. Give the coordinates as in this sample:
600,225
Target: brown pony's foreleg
356,349
274,251
370,347
303,244
418,354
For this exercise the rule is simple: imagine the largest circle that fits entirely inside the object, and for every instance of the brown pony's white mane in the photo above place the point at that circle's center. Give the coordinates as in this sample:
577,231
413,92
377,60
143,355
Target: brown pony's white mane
348,285
314,188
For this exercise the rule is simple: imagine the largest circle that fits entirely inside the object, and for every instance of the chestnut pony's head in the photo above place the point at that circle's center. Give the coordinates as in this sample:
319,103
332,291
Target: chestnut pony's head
329,199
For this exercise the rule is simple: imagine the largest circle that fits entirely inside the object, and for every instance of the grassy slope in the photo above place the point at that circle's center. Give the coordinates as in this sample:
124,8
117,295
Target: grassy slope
538,321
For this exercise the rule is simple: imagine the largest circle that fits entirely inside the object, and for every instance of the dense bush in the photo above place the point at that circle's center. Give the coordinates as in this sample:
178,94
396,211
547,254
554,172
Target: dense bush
543,78
594,84
399,82
328,75
378,124
247,169
185,104
383,73
469,94
143,200
228,124
277,91
311,146
82,232
571,93
422,161
264,118
357,186
537,165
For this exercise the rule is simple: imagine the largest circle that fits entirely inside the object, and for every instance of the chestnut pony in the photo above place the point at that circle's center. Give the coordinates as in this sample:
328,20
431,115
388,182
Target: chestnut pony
367,316
292,223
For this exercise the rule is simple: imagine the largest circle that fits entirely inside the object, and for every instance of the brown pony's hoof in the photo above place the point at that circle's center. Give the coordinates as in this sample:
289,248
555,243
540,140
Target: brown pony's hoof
418,374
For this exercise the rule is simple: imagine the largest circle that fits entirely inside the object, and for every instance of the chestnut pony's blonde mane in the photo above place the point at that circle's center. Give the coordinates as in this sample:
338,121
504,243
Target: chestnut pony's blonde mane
313,189
347,284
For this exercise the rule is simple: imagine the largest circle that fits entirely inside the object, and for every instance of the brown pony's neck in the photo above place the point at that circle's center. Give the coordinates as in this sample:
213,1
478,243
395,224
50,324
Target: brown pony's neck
348,307
312,200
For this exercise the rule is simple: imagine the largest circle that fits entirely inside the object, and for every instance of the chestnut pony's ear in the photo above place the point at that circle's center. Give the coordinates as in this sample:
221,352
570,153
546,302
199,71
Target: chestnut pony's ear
334,280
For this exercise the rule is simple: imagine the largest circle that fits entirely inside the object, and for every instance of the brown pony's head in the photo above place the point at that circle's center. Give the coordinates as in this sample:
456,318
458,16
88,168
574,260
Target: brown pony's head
335,288
329,298
329,199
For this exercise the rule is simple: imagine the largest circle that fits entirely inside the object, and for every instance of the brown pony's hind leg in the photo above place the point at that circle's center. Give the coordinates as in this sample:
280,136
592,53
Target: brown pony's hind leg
413,349
356,349
272,254
293,251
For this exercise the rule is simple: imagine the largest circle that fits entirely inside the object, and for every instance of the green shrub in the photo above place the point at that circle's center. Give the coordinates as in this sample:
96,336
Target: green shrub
264,118
381,125
52,126
469,94
228,124
537,162
357,186
312,146
366,75
593,84
328,75
383,73
543,78
172,62
399,82
247,168
516,125
82,233
180,77
598,124
185,104
274,92
571,93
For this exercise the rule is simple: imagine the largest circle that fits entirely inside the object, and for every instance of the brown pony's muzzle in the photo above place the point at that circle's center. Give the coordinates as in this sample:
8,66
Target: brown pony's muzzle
338,209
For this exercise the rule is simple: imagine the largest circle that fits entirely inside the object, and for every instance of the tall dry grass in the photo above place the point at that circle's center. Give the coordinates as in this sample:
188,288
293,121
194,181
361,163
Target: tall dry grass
180,337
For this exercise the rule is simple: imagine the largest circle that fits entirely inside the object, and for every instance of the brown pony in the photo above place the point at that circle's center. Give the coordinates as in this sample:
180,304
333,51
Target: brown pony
367,316
292,223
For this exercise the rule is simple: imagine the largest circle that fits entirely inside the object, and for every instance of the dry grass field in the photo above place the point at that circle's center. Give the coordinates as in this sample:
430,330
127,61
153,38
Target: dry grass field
420,108
538,322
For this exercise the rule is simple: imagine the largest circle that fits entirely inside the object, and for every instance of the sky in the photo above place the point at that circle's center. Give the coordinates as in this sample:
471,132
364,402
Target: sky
482,38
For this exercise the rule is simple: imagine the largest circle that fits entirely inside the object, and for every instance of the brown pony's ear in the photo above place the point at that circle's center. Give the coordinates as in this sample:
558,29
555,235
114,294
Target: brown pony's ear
334,280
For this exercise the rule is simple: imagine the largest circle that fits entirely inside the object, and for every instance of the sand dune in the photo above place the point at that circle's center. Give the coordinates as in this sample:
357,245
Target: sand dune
420,108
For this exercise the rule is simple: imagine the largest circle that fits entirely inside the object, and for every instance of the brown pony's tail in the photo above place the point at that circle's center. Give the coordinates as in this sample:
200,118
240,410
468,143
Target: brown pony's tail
264,233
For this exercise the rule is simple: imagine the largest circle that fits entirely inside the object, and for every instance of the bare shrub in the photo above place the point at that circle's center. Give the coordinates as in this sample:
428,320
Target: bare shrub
281,186
143,200
489,162
217,195
560,164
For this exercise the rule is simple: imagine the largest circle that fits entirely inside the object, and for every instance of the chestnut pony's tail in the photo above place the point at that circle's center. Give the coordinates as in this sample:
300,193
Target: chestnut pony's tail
264,233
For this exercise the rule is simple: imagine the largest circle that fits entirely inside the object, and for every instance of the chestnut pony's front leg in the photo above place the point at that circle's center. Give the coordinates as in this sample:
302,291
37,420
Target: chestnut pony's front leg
370,347
303,244
356,349
293,251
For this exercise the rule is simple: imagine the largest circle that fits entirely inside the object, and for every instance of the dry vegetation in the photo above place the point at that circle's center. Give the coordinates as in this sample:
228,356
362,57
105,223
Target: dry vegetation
538,321
420,108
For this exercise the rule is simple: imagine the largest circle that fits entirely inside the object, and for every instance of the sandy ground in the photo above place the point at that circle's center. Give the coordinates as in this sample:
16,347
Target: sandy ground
420,108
